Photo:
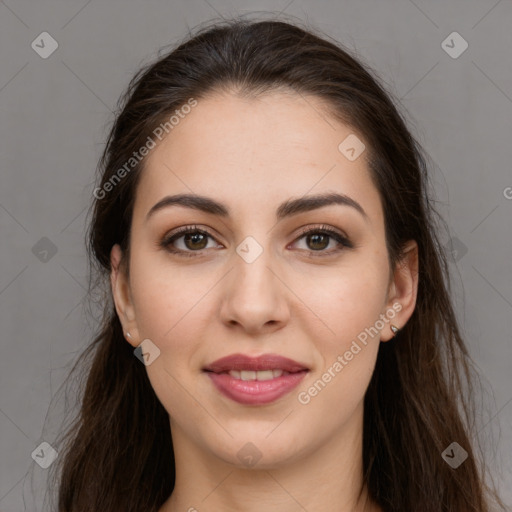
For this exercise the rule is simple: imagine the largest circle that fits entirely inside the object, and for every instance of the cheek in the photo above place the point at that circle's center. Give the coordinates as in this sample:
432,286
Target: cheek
349,352
349,303
168,300
169,311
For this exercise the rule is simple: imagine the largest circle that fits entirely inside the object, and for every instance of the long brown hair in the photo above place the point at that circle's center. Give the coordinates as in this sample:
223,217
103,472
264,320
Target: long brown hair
117,455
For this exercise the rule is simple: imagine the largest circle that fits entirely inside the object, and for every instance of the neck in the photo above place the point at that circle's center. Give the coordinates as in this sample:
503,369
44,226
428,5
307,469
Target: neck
329,477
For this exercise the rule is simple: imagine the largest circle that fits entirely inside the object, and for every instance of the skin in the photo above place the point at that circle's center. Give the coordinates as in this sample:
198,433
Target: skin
251,155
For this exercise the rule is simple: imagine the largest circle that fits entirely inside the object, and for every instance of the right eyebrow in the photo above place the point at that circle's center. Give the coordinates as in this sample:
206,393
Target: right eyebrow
286,209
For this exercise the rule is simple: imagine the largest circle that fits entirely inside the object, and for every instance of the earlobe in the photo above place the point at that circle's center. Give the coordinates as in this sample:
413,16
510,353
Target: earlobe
121,294
404,289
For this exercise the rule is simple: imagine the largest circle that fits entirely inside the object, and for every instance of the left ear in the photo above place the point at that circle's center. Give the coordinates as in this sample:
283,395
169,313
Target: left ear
403,290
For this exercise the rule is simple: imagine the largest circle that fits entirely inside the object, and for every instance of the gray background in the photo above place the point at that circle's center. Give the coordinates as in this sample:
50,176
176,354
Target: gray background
54,114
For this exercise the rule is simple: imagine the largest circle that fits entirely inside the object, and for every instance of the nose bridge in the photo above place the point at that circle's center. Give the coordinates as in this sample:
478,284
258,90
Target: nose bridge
254,295
252,274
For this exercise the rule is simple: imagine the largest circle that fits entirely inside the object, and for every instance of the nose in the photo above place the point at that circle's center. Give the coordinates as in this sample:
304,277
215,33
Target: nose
254,296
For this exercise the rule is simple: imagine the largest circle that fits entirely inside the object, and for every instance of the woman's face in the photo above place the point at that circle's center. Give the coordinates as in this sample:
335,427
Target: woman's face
250,283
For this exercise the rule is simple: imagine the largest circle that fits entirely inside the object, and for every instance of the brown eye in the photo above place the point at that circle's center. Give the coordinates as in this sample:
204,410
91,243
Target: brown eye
195,240
191,239
318,241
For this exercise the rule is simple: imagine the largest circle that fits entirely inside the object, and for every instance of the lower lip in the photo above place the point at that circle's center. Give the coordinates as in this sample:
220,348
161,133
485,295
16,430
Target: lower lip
255,392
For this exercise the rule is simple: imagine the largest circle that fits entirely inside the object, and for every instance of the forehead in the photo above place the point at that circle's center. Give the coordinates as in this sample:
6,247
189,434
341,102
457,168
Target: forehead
248,152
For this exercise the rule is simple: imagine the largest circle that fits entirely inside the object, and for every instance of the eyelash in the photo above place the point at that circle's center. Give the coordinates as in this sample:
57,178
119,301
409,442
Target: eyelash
167,241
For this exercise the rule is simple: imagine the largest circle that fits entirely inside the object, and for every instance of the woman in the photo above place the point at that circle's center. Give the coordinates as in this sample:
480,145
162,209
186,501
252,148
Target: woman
281,336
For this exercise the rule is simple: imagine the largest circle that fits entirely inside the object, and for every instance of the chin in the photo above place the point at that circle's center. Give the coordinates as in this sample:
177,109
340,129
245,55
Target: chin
257,451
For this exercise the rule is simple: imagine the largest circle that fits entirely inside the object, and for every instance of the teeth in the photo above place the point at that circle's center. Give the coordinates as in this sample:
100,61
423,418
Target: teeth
264,375
259,375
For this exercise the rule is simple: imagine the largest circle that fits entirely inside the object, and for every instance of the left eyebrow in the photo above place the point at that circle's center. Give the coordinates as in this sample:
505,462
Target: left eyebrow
286,209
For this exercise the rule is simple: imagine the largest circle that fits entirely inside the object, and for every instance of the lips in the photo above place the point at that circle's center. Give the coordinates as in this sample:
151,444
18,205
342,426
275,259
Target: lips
241,362
255,380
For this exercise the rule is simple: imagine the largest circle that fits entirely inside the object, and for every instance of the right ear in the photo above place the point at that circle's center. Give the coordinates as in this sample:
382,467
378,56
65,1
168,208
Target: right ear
121,293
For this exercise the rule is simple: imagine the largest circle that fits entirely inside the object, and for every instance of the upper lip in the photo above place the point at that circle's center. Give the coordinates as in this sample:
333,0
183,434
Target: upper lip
264,362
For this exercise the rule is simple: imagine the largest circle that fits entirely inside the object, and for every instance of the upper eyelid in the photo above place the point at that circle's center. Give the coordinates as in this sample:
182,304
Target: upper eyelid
303,231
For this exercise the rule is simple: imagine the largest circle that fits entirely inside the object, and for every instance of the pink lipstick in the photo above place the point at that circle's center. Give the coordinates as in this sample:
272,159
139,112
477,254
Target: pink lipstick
255,380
